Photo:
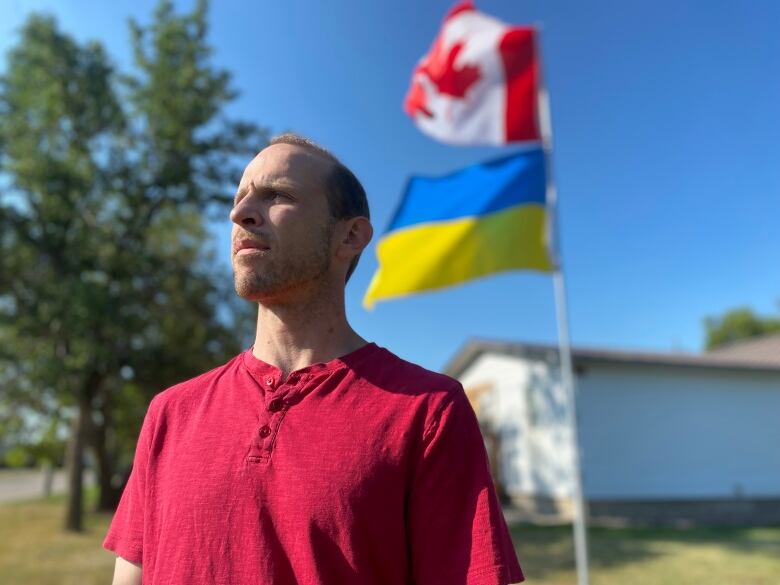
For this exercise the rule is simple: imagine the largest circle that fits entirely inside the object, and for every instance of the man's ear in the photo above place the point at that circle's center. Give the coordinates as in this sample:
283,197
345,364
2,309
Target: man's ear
356,235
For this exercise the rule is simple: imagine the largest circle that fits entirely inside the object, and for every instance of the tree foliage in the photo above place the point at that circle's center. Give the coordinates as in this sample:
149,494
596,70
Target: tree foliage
736,324
109,290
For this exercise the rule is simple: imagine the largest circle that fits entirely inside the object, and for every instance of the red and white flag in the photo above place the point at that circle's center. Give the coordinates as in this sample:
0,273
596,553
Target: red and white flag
479,82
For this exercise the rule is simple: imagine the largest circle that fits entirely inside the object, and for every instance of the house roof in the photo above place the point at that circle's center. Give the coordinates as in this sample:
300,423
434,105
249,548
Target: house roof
761,354
758,350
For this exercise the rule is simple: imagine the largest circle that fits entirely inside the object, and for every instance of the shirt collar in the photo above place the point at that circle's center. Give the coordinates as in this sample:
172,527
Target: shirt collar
261,369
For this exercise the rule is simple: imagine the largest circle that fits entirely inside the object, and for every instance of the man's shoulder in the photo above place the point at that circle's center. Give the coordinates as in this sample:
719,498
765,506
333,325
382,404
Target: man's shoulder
192,388
393,372
430,395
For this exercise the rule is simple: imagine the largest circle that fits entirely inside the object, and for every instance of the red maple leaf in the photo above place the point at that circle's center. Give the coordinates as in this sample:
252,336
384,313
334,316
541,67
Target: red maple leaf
439,67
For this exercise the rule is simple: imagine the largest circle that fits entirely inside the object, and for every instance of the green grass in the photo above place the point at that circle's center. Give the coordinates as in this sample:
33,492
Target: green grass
34,550
653,556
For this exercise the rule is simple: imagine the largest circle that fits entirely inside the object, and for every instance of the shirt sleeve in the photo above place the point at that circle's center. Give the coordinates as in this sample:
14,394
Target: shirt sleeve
125,535
457,531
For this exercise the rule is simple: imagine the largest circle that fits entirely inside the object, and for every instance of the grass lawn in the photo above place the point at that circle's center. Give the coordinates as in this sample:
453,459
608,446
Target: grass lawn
35,551
653,556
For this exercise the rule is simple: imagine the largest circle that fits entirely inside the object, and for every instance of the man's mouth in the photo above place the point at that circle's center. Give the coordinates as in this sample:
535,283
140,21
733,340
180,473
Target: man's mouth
251,251
245,247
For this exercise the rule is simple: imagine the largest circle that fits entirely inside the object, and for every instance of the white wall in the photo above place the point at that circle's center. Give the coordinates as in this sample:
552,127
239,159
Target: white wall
662,432
646,432
528,409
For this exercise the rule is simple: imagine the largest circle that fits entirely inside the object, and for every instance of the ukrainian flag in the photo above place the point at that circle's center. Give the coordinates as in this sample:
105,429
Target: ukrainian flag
486,218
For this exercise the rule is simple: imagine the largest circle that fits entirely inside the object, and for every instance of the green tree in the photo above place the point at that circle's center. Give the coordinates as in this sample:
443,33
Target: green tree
109,293
57,108
736,324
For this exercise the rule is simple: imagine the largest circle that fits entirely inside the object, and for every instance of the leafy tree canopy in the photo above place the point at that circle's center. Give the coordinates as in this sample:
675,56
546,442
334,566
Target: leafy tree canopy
737,324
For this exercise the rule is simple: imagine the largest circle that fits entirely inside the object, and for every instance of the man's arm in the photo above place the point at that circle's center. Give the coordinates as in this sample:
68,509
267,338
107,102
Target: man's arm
126,573
456,529
125,535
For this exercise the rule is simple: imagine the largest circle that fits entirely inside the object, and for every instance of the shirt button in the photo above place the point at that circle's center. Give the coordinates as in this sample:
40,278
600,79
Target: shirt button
269,381
275,404
265,431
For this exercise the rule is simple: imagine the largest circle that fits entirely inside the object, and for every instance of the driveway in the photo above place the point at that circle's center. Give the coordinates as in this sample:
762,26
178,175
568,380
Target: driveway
27,484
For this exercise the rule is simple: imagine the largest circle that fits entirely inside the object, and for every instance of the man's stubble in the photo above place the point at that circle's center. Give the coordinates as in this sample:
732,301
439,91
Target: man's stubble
283,271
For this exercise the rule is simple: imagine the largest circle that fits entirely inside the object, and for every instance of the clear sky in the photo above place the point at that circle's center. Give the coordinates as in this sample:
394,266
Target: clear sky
666,116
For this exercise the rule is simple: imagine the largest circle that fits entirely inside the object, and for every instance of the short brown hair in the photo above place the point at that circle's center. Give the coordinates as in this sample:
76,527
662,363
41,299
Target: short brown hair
346,196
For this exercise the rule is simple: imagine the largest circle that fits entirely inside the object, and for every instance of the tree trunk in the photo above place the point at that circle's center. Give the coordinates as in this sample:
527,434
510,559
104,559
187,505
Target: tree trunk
48,478
105,458
75,505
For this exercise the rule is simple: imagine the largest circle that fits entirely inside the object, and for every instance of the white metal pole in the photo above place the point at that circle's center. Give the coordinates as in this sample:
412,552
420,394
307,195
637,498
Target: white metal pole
564,347
567,379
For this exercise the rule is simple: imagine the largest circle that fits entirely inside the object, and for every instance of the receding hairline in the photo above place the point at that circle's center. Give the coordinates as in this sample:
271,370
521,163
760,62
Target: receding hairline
305,144
337,175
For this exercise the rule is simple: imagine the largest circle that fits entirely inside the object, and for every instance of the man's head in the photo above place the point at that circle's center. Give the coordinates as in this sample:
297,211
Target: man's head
305,213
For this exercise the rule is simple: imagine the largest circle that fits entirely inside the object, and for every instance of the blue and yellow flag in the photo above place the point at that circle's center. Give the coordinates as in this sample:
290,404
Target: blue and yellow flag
486,218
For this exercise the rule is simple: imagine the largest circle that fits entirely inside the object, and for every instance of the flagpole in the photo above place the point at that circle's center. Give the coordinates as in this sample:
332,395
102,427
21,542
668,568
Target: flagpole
579,523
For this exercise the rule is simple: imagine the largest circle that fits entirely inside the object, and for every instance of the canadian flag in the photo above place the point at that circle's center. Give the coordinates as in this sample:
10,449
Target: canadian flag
479,82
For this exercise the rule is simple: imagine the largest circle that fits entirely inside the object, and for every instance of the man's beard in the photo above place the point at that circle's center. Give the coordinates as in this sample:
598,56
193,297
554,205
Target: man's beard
278,275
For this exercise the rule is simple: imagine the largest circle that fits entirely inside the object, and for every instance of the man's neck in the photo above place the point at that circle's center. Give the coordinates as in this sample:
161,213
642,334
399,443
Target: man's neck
294,335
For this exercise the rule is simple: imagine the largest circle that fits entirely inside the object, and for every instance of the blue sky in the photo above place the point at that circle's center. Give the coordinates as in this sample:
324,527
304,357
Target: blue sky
666,117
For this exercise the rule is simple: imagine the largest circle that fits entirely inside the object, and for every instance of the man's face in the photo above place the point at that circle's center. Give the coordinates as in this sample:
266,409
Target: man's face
281,209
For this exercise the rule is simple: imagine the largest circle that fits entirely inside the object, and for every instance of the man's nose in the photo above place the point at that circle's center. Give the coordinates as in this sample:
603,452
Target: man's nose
245,213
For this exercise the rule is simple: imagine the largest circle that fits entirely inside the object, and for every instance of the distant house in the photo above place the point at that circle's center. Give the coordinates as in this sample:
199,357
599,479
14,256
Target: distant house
663,436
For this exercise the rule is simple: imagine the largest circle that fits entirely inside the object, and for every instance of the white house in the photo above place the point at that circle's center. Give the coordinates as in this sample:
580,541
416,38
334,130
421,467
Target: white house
663,436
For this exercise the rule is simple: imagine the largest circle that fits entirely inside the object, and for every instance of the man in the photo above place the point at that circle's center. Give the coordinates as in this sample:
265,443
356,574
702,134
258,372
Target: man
313,457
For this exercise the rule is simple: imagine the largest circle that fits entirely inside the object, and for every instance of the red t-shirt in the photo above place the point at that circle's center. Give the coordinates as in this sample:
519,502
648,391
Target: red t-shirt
364,470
